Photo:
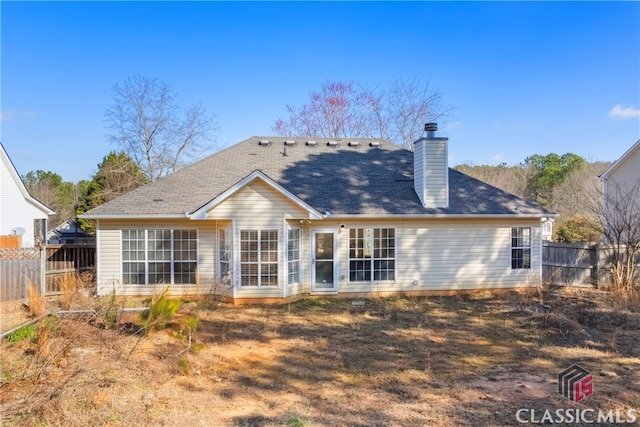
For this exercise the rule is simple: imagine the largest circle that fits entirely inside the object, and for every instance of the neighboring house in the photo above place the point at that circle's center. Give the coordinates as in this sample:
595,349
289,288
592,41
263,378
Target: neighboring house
547,229
69,233
23,219
621,185
272,218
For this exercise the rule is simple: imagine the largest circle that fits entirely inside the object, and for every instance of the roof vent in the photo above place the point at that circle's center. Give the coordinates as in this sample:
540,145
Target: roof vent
289,142
311,143
332,143
264,142
374,144
354,144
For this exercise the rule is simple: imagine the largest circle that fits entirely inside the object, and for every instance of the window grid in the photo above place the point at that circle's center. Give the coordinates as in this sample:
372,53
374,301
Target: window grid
520,248
225,255
363,261
258,257
293,256
159,256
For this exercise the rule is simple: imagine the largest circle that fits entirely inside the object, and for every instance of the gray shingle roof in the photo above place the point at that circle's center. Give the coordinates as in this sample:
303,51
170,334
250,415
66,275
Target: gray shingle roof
342,179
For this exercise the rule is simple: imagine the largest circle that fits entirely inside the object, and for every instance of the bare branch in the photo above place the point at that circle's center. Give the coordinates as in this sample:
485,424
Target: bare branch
147,123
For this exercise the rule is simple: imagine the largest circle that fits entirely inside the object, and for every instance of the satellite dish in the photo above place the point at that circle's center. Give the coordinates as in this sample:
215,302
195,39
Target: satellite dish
18,231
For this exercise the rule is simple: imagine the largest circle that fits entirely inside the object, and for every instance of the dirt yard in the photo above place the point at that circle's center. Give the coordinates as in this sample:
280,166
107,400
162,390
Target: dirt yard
471,360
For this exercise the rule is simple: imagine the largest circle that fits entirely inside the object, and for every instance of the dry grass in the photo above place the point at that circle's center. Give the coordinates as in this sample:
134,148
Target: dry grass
37,303
442,361
68,285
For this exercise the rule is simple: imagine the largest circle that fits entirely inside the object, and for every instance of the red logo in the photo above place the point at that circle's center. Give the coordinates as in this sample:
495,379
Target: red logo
575,383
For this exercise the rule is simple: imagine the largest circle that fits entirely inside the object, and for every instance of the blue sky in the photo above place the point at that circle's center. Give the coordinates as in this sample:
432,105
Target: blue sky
522,77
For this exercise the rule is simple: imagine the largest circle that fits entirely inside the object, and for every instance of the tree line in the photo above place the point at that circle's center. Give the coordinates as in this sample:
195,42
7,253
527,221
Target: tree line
154,136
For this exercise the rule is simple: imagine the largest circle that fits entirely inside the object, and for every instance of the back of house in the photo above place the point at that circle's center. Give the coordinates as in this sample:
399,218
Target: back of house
275,218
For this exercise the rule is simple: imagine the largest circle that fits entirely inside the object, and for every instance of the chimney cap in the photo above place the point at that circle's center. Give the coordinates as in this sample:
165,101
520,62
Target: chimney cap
430,127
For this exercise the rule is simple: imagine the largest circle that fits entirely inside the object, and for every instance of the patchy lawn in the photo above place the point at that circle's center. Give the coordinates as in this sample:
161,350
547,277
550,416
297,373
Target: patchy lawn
468,360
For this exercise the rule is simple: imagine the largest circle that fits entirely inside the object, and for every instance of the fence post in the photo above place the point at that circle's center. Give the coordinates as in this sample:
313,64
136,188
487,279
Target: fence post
43,270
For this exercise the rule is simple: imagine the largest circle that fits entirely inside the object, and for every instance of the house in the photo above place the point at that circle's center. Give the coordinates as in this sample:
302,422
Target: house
69,233
270,219
621,184
23,219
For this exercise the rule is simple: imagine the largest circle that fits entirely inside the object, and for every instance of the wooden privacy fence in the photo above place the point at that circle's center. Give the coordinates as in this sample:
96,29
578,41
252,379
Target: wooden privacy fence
41,267
63,259
19,268
569,263
577,264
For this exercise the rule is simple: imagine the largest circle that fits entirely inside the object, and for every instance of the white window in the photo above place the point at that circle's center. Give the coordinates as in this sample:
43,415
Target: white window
372,250
293,256
224,260
258,257
520,247
159,256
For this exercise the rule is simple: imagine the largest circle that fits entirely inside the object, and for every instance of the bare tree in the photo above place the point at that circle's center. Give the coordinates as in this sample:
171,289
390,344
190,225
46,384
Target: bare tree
341,110
147,123
338,111
404,109
620,221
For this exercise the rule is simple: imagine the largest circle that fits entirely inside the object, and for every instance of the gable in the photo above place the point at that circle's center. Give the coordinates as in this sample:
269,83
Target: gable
257,203
14,193
627,164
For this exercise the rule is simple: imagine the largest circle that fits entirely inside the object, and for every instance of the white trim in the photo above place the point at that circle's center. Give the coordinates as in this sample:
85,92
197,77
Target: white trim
452,216
139,216
336,262
201,213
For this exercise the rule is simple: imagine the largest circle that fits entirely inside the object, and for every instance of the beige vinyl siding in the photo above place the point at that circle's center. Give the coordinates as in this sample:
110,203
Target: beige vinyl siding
446,255
110,256
258,205
109,268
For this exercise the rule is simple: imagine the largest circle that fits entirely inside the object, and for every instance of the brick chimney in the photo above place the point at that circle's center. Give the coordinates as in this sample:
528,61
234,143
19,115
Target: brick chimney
431,169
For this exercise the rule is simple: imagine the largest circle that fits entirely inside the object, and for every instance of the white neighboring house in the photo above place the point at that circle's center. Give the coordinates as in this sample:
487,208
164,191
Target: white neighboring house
621,184
624,172
546,229
20,213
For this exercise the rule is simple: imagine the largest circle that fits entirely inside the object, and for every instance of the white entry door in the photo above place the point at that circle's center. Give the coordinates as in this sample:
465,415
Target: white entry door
324,265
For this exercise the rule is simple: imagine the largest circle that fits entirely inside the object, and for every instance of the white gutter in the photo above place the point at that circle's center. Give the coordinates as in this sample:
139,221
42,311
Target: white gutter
425,216
137,216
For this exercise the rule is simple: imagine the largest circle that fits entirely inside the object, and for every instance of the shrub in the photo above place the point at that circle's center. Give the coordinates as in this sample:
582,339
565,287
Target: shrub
25,332
160,312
